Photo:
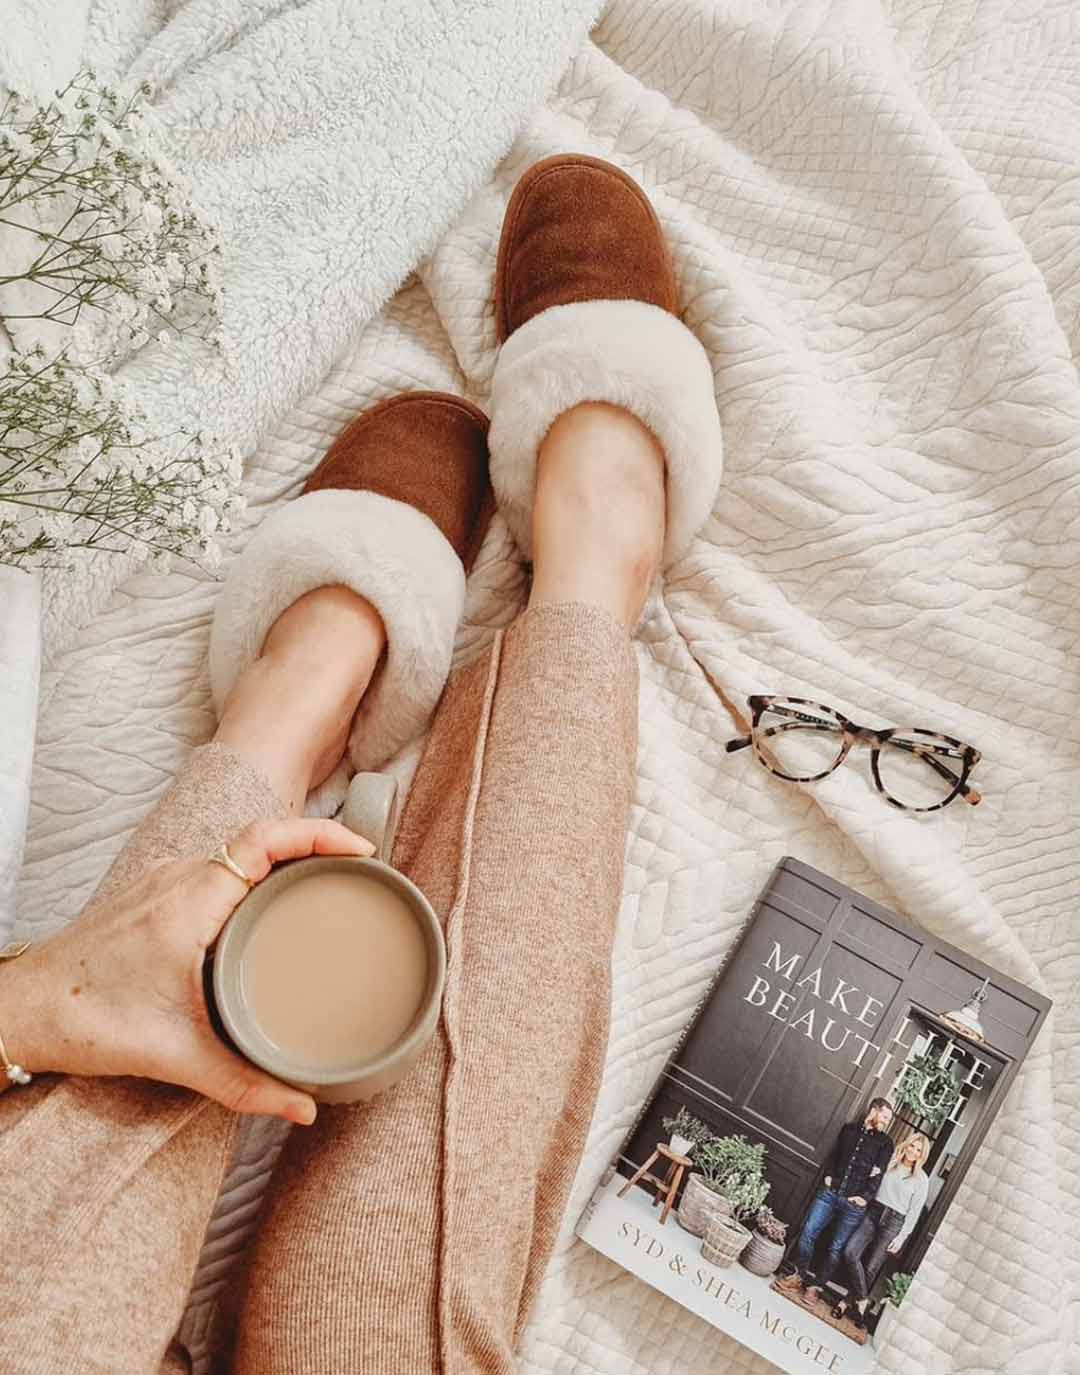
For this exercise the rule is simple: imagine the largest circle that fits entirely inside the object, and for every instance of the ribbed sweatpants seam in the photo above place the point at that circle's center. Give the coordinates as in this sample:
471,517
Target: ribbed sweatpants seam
446,1191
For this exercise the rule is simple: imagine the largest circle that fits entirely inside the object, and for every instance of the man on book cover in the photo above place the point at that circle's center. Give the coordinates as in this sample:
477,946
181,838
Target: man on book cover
852,1174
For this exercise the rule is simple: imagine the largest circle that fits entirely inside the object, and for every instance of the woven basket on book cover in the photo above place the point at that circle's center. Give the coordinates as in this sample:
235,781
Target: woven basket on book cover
762,1256
724,1240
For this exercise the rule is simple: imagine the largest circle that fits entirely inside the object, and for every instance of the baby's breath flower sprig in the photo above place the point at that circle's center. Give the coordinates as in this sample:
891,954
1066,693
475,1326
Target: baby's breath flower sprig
79,469
95,225
103,247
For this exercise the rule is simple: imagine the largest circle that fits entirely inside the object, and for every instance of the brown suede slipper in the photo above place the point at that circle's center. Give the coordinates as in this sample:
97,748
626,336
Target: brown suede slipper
397,511
426,448
579,229
586,309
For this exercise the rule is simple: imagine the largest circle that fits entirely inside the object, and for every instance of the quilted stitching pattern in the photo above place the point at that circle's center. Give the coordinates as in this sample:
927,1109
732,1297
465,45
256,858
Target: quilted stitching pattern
872,211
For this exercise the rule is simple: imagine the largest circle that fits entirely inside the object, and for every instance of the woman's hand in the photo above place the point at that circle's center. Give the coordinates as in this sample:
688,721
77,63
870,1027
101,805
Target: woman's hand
893,1247
120,991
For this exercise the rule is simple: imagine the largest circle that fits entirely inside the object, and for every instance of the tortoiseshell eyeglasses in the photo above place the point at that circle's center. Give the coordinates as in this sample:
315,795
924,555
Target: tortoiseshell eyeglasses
915,770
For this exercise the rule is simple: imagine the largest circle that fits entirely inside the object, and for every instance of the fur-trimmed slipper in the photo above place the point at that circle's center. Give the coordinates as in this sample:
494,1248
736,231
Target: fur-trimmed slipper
397,511
586,310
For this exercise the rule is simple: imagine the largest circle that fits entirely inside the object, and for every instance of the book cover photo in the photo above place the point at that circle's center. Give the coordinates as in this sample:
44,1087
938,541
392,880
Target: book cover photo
809,1131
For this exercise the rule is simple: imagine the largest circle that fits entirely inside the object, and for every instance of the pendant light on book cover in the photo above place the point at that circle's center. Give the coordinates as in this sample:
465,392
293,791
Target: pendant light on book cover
966,1018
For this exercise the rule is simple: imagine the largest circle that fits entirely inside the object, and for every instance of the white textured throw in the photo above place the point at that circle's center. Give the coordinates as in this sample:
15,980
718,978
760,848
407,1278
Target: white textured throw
631,354
387,552
872,211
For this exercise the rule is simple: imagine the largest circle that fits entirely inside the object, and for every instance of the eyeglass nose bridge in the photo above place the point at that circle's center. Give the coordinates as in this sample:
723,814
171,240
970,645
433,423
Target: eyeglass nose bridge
859,735
863,735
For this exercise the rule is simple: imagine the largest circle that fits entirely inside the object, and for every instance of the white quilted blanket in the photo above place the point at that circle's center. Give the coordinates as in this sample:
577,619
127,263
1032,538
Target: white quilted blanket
873,212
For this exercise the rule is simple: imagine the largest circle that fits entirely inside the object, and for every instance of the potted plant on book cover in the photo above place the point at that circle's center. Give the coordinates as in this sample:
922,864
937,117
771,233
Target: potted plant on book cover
766,1249
685,1131
728,1171
895,1293
726,1236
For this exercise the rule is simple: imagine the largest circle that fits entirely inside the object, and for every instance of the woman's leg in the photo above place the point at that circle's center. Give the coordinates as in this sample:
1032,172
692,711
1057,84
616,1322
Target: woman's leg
854,1254
411,1234
108,1183
874,1257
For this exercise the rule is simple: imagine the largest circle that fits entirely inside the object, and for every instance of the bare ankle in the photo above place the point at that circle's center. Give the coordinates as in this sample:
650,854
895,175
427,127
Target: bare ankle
598,519
290,711
329,624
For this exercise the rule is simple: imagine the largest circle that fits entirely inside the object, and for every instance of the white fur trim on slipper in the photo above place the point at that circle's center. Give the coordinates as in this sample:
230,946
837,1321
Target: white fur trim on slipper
628,353
384,550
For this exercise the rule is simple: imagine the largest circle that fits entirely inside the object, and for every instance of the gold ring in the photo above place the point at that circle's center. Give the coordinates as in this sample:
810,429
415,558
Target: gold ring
221,856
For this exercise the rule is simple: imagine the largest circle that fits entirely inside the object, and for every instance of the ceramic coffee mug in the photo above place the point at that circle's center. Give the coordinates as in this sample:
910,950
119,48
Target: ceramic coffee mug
370,810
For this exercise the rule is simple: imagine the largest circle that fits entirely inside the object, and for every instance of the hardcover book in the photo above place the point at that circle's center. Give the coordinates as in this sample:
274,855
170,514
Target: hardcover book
812,1126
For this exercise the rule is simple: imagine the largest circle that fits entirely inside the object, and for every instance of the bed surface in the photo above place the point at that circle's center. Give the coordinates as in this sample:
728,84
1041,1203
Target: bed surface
873,215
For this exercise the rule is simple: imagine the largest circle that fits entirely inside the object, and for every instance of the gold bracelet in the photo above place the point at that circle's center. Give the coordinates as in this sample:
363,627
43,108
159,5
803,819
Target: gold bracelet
15,1073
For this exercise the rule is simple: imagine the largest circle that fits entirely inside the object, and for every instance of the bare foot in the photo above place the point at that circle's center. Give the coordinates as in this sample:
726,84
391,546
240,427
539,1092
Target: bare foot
290,711
598,518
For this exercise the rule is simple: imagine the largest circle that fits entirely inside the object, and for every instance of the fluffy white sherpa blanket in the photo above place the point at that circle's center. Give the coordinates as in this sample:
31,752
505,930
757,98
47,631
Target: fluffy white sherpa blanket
872,207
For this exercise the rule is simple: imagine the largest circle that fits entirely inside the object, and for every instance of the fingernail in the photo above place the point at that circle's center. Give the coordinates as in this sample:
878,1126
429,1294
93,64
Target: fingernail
302,1113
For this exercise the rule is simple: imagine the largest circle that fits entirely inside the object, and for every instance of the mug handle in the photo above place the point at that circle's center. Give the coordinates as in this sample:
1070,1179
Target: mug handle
371,811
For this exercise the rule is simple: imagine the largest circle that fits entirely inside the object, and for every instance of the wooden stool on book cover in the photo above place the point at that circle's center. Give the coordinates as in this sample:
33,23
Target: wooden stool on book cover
666,1188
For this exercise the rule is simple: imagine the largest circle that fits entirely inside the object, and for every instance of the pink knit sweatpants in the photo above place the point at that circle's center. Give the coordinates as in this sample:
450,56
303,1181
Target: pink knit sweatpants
408,1235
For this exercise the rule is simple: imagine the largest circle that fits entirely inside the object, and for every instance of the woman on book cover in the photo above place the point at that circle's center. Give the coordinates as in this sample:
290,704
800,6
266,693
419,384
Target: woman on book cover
889,1220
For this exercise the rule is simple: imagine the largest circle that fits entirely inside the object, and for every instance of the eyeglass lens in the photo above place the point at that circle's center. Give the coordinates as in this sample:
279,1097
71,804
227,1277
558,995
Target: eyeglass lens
799,740
919,771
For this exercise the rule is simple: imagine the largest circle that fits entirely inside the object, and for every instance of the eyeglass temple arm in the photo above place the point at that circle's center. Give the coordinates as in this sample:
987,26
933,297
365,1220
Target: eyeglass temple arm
967,792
